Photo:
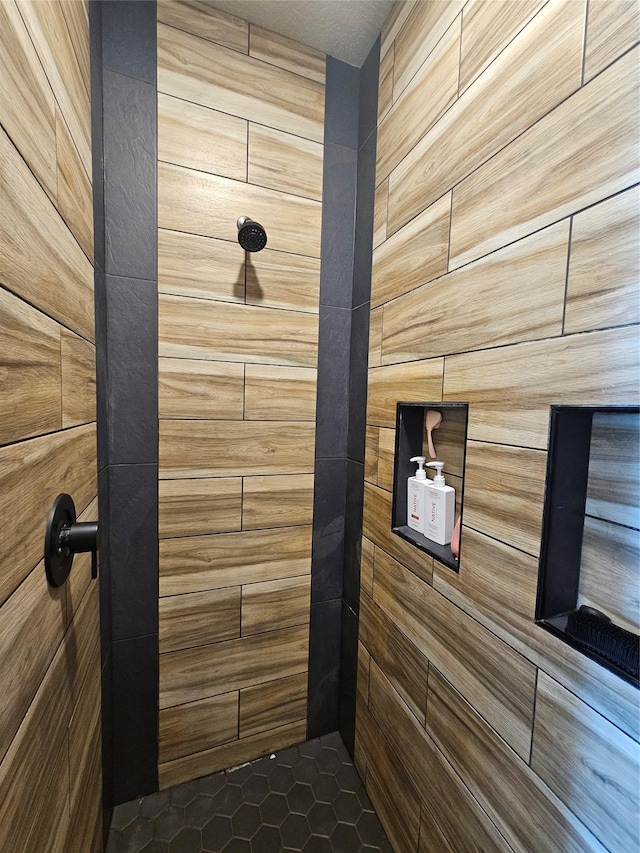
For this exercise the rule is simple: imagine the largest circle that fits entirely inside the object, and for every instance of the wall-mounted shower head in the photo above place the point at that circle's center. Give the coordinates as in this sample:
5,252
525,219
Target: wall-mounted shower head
251,235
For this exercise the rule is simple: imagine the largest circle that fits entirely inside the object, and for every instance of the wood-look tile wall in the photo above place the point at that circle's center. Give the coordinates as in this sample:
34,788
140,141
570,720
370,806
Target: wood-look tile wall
50,755
240,130
505,275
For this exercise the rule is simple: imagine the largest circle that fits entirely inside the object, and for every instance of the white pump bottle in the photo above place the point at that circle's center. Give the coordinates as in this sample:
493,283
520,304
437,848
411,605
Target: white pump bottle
416,486
439,507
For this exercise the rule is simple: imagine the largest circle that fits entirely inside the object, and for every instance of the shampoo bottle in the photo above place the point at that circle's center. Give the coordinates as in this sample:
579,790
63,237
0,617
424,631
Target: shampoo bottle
439,507
416,486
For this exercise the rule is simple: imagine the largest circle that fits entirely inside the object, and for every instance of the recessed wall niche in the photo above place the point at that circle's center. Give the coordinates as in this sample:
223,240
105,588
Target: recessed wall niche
450,441
588,582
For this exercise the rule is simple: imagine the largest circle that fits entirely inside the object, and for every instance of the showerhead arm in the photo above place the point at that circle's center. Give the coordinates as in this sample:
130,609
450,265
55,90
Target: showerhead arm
251,235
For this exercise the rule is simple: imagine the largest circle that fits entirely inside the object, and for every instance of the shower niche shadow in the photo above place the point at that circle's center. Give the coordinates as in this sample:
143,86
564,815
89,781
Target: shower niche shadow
588,579
450,440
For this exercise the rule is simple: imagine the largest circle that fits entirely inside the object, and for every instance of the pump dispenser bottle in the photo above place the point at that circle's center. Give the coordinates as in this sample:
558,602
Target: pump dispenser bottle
416,486
439,507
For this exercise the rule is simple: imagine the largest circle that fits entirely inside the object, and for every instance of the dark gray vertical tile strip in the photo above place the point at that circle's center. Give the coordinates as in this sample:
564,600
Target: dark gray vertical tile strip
324,667
124,127
348,676
332,396
329,514
338,225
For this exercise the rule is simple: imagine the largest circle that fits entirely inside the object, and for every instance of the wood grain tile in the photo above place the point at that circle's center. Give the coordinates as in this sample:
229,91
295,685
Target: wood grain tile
196,70
394,23
366,566
504,493
196,328
85,827
613,490
281,280
377,528
277,501
385,86
36,248
531,76
488,303
406,668
85,725
192,388
535,819
285,53
371,455
201,138
78,379
362,680
275,703
509,390
196,507
375,337
592,767
198,618
192,674
386,455
612,28
210,205
275,604
30,378
280,393
604,265
212,562
270,149
230,755
420,381
234,448
426,97
28,116
496,680
189,265
380,213
197,726
486,30
602,118
76,16
32,473
75,194
412,256
204,21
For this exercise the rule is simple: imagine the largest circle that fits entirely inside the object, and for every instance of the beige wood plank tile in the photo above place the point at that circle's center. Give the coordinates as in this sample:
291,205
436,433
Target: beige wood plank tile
30,379
47,27
196,507
426,97
375,337
28,115
488,303
270,150
234,448
414,255
612,28
504,493
362,679
210,205
604,265
366,566
281,280
371,455
487,28
275,604
230,755
275,501
386,453
448,440
226,559
406,383
85,827
377,528
385,86
32,473
613,490
406,668
191,388
380,213
285,53
509,390
280,393
498,682
75,193
36,248
201,138
601,118
192,674
592,767
196,726
199,618
197,328
394,23
421,32
275,703
84,727
529,78
535,819
204,21
190,265
78,379
213,76
76,16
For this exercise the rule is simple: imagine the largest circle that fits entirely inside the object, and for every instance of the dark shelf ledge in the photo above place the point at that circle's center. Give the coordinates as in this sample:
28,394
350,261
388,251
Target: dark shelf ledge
442,553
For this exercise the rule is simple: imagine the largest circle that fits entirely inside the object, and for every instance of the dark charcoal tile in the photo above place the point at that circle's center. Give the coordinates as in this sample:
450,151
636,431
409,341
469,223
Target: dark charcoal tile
199,811
255,790
136,835
311,748
217,833
342,96
228,800
300,798
295,831
281,781
246,821
325,788
370,830
152,805
328,760
318,844
322,819
211,784
125,814
274,809
340,174
266,840
102,365
353,534
345,839
238,845
156,847
347,806
368,95
358,382
239,775
348,675
363,245
169,823
184,794
332,414
129,38
188,840
107,735
327,548
324,666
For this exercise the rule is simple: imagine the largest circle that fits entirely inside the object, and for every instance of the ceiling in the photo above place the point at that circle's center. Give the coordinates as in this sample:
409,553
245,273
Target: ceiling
345,29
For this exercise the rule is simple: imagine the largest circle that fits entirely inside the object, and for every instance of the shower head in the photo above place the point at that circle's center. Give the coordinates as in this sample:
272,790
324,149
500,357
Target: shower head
251,235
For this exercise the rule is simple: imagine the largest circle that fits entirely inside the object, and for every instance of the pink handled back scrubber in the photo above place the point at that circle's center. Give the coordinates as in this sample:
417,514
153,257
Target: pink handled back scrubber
433,420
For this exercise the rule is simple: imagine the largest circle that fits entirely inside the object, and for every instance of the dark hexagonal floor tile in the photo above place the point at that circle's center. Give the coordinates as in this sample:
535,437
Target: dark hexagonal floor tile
300,798
325,788
199,811
328,761
322,819
228,800
168,823
152,805
311,748
365,802
238,845
305,770
274,809
281,780
217,833
246,821
155,847
333,740
188,840
266,840
295,831
347,807
182,795
288,757
318,844
255,789
136,835
238,775
370,830
264,766
124,814
344,839
348,779
212,784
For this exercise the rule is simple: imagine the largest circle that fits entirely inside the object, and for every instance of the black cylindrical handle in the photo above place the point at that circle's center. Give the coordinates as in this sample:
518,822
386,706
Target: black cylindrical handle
65,537
82,536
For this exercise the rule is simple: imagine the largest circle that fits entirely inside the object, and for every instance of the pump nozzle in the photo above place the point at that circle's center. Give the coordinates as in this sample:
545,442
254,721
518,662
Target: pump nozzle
420,474
438,480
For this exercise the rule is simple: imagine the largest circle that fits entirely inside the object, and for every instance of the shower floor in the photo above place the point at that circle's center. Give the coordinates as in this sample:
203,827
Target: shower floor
305,798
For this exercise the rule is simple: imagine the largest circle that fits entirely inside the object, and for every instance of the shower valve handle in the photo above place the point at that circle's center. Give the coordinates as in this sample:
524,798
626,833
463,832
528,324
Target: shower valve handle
66,537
